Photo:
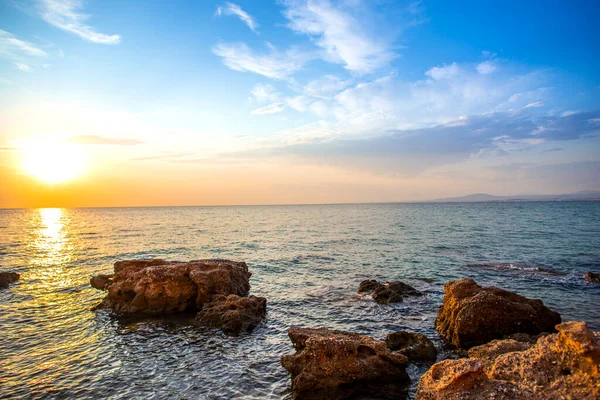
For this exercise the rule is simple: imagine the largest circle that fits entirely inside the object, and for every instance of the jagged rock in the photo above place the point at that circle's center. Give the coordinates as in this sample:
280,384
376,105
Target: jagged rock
233,314
337,365
495,348
368,285
472,315
101,282
6,278
559,366
158,286
415,346
592,277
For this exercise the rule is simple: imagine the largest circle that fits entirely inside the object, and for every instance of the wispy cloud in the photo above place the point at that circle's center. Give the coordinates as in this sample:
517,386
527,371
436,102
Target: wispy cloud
234,9
338,31
102,140
24,67
270,109
67,15
486,67
15,48
262,93
273,64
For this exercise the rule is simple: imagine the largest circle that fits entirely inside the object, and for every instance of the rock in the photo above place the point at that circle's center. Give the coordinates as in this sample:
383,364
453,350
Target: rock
592,277
336,365
368,285
472,315
495,348
6,278
415,346
559,366
158,286
101,282
394,292
233,314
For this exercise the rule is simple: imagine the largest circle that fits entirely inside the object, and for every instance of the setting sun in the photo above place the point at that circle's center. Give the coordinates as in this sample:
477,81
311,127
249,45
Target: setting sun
53,162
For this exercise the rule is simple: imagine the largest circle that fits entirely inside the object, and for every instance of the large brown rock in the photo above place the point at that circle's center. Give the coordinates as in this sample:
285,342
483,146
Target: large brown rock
472,315
6,278
337,365
415,346
592,277
158,286
233,314
559,366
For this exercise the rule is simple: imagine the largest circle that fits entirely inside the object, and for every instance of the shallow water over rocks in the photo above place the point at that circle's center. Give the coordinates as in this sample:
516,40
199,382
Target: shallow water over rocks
308,262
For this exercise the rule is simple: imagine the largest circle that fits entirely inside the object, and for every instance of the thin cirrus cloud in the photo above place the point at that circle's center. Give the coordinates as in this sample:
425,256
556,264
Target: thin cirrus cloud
18,51
262,93
273,64
67,15
102,140
234,9
270,109
340,34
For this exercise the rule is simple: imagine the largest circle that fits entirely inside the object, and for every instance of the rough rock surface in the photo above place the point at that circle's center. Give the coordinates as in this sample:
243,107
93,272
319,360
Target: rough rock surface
472,315
337,365
415,346
592,277
6,278
495,348
234,314
559,366
389,292
158,286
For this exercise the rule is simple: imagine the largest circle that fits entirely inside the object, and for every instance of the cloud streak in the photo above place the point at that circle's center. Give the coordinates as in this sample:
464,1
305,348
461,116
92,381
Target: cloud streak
270,109
67,15
102,140
234,9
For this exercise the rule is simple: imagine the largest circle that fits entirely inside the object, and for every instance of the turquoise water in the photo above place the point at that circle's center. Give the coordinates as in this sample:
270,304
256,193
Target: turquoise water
307,260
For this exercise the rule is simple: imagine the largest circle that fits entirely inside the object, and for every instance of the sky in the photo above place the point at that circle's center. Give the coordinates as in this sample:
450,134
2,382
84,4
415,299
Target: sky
287,102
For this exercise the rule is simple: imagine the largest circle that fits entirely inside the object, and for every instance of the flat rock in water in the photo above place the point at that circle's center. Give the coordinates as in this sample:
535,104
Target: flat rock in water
389,292
233,314
338,365
565,365
472,315
6,278
592,277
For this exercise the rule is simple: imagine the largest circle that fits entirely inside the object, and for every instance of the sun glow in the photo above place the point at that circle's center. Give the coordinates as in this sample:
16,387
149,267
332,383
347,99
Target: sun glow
53,161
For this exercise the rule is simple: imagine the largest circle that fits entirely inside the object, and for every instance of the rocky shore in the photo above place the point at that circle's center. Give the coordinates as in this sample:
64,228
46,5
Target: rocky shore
512,347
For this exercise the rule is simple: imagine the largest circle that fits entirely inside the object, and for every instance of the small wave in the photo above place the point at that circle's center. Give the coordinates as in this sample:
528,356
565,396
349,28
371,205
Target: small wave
309,257
516,267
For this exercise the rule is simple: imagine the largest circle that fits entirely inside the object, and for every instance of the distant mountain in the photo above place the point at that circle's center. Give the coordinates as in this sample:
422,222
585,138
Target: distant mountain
481,197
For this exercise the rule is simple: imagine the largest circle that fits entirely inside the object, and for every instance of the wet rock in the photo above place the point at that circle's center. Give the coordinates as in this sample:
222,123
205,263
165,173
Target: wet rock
394,292
101,282
338,365
233,314
592,277
472,315
6,278
559,366
415,346
158,286
368,285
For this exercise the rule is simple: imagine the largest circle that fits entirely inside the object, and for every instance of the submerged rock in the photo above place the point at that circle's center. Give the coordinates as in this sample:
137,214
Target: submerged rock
472,315
6,278
592,277
559,366
234,314
389,292
415,346
158,286
337,365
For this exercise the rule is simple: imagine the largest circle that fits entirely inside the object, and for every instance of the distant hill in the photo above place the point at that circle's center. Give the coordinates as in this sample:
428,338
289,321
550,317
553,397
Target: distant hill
482,197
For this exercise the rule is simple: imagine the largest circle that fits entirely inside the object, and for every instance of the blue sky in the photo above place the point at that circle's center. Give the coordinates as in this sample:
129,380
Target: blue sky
310,101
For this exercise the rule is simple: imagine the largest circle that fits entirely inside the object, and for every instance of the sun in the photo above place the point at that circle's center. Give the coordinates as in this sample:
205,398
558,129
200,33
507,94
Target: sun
53,161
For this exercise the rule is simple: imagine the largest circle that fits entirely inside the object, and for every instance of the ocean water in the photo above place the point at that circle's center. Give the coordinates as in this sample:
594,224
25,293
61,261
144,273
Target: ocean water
307,261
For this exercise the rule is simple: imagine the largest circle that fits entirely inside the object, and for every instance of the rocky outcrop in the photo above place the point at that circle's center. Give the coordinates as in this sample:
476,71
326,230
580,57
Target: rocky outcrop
158,286
233,314
6,278
162,287
415,346
336,365
389,292
559,366
592,277
472,315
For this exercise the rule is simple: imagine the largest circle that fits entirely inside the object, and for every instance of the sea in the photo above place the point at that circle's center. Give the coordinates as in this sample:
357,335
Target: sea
307,260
